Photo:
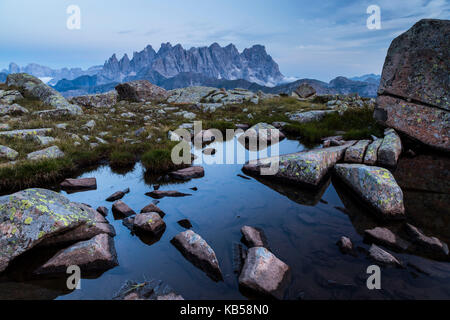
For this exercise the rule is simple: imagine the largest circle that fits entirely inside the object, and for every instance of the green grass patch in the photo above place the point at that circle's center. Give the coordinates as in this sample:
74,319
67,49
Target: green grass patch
121,158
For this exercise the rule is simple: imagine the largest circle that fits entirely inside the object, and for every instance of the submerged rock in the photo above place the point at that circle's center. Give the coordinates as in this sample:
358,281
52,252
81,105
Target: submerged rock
141,91
49,153
198,251
355,153
376,186
79,184
148,290
390,149
385,237
254,237
188,173
264,273
308,168
8,153
32,216
96,254
159,194
413,96
380,256
345,245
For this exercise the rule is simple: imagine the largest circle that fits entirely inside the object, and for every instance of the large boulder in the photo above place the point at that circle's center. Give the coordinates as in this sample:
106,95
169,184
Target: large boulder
141,91
93,255
308,168
197,250
305,91
413,96
264,273
32,87
376,186
36,216
101,100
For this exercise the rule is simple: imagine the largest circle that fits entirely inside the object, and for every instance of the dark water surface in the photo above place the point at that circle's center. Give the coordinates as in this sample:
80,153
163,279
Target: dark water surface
301,230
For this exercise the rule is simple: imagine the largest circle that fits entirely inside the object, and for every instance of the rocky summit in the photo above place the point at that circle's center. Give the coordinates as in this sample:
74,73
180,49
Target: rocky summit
413,96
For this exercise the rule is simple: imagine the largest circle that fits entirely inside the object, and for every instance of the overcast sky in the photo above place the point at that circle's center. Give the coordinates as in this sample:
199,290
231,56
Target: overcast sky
309,39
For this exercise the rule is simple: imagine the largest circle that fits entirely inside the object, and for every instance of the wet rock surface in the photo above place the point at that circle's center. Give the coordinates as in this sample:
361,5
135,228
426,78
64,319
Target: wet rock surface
121,209
197,250
147,290
79,184
345,245
150,222
153,208
188,173
254,237
381,256
376,186
159,194
264,274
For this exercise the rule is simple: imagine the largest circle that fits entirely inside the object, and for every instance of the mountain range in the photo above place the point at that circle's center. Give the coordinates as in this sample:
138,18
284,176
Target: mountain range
174,67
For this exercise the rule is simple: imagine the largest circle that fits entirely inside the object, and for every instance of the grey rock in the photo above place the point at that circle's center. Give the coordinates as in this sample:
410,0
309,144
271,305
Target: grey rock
254,237
8,153
355,153
49,153
380,256
390,149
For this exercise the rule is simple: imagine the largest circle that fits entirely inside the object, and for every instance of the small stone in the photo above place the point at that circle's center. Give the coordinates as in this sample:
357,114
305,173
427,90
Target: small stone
385,237
185,223
188,173
345,245
153,208
116,196
383,257
159,194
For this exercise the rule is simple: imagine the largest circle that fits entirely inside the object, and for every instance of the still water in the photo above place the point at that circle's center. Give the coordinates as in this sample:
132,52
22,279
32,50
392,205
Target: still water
302,228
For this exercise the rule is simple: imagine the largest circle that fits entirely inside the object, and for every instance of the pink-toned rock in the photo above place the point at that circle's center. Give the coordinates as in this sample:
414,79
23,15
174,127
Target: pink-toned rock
385,237
96,254
122,209
159,194
188,173
150,222
264,273
254,237
153,208
345,245
79,184
381,256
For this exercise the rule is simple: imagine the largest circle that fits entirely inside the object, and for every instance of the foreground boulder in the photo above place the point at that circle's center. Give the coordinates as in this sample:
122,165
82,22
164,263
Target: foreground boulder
96,254
101,100
188,173
198,251
148,290
390,149
32,216
32,87
79,184
141,91
304,91
264,274
376,186
308,168
413,96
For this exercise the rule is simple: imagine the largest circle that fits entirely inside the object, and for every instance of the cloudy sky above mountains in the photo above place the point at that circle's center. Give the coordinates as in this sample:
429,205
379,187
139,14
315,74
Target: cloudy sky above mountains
320,39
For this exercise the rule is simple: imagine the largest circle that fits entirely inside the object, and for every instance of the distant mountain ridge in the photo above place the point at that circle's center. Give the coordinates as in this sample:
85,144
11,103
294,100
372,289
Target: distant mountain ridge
253,64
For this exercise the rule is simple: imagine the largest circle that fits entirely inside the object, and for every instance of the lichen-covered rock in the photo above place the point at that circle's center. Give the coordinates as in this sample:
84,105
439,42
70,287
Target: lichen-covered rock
9,96
26,133
101,100
96,254
8,153
385,237
355,153
43,140
188,173
309,116
195,249
254,237
141,91
12,110
49,153
413,96
148,290
32,216
372,152
390,149
264,273
31,86
189,95
376,186
308,168
383,257
262,132
53,113
150,222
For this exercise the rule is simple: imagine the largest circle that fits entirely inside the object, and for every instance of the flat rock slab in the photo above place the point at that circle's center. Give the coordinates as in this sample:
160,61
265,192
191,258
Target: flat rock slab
121,209
79,184
385,237
26,133
254,237
101,100
96,254
150,222
306,168
355,153
8,153
29,217
264,273
195,249
380,256
390,149
188,173
116,196
376,186
371,156
49,153
159,194
148,290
